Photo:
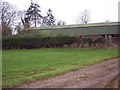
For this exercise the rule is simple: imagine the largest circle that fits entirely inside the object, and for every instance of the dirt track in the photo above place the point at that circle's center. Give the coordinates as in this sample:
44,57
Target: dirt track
95,76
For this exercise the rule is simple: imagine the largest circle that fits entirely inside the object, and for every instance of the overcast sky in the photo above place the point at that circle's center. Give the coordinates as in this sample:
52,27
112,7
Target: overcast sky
68,10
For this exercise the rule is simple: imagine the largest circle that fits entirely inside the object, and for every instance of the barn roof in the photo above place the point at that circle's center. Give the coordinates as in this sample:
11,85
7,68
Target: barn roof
78,26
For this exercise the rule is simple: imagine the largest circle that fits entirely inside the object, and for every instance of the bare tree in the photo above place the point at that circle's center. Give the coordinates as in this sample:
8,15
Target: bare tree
8,14
8,17
108,21
61,22
84,17
24,19
18,28
6,30
0,15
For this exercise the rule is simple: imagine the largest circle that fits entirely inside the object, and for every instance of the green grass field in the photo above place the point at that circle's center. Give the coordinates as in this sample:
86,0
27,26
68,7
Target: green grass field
21,66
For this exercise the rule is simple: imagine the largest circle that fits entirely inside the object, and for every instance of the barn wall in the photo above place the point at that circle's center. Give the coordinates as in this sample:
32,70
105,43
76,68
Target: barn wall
87,30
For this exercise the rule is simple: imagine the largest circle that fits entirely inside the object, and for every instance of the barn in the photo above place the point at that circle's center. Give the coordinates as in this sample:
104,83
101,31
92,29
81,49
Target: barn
110,28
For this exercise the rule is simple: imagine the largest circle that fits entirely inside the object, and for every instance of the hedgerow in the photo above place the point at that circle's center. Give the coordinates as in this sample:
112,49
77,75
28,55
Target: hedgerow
36,41
29,42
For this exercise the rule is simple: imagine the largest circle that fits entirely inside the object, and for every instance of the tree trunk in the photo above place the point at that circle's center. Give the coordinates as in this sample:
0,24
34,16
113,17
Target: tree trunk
35,20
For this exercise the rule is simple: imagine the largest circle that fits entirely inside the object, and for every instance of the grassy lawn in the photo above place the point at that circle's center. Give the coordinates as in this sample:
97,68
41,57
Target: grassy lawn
21,66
